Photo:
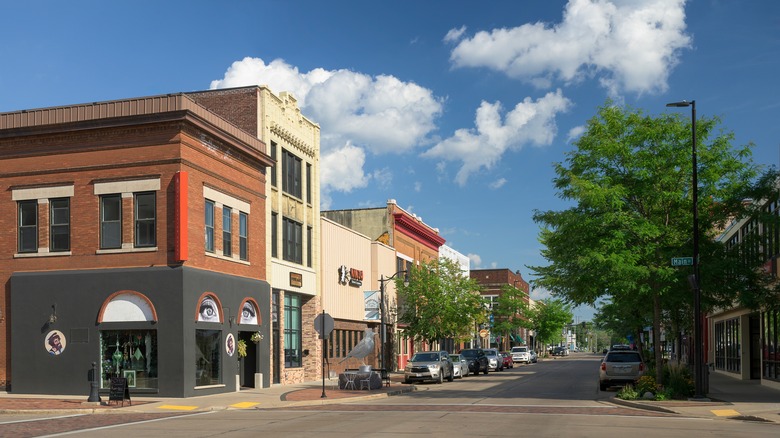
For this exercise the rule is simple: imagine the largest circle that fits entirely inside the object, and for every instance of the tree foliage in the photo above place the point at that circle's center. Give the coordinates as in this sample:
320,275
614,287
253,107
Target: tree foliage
629,180
439,302
510,311
547,318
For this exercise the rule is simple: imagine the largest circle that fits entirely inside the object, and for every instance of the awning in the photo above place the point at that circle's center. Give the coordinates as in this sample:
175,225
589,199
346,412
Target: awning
518,339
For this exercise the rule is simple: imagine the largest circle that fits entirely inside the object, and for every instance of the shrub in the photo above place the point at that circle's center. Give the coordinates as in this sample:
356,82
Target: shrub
628,393
679,382
645,384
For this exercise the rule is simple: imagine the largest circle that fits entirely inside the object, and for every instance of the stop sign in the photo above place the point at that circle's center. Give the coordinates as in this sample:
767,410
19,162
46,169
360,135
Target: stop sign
323,324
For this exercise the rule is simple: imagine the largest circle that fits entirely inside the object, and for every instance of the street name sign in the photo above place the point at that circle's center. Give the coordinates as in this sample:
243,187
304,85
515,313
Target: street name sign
682,261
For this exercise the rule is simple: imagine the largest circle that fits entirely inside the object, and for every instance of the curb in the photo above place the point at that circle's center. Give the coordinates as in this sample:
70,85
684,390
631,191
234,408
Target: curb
326,401
647,407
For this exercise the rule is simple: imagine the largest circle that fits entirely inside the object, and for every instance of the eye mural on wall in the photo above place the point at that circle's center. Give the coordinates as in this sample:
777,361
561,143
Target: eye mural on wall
248,313
208,310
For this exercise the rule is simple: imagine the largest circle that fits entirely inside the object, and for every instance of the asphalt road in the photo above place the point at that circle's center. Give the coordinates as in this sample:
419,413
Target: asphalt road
555,398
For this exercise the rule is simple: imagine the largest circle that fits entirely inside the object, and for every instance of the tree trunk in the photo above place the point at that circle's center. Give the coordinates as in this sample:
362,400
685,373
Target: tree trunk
659,364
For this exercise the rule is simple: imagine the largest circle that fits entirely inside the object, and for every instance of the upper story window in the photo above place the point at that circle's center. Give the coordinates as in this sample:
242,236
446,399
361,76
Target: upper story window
273,168
220,243
54,213
28,226
110,221
59,224
291,174
227,233
209,221
145,219
292,237
132,202
308,246
243,234
274,235
308,183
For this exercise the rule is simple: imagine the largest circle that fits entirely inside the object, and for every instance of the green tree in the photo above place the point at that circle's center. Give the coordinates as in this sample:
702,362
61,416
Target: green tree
509,312
440,302
629,179
548,317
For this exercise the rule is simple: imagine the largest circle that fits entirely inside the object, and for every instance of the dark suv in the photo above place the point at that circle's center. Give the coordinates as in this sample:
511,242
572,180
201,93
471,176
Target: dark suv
477,360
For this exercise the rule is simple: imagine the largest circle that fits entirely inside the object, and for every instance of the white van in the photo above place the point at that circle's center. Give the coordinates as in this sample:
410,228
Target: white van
521,354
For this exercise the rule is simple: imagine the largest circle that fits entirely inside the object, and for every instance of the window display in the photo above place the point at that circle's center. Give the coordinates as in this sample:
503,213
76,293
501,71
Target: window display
208,353
123,351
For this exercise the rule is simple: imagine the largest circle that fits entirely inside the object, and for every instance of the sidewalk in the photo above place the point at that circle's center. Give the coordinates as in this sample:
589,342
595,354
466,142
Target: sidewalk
729,398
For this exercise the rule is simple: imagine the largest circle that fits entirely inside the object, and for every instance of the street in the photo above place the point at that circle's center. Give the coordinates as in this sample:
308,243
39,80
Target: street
551,398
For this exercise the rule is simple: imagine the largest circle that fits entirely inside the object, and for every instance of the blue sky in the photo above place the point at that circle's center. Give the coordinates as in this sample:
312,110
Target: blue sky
457,109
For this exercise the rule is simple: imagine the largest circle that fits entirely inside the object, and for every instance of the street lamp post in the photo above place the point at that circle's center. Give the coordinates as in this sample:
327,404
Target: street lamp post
382,330
698,356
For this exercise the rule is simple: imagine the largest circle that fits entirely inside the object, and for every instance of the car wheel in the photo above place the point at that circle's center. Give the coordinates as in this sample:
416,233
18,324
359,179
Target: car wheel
407,381
451,377
486,370
441,378
603,386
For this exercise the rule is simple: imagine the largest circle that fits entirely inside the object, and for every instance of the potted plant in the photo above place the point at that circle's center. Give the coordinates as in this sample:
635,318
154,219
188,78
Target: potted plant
241,348
256,337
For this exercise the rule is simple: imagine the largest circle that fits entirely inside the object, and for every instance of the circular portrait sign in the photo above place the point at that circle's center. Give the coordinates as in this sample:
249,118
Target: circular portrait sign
230,344
55,342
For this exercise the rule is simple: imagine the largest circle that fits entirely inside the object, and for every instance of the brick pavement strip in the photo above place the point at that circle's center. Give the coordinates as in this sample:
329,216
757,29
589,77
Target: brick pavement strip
25,429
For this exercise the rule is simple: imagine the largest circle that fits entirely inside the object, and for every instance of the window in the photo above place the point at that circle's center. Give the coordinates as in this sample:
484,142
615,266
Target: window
28,226
59,224
207,357
227,233
129,350
292,240
274,235
242,235
291,174
273,168
110,221
292,331
308,183
308,246
209,219
145,219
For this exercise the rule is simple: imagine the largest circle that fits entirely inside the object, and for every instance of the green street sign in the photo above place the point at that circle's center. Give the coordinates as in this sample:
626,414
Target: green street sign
682,261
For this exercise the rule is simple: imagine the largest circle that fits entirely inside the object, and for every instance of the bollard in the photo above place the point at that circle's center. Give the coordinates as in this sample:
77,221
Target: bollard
94,396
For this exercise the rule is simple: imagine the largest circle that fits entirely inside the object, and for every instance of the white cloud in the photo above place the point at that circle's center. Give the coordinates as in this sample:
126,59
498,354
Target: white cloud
575,132
540,294
628,45
357,113
383,177
454,34
418,186
476,261
480,148
497,184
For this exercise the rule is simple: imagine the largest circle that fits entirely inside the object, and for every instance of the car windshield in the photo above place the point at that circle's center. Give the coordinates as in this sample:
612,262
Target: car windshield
623,357
455,357
519,350
490,352
469,353
425,357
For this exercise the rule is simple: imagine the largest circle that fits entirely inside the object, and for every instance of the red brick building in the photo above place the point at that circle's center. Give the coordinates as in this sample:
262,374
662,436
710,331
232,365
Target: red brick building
492,280
137,242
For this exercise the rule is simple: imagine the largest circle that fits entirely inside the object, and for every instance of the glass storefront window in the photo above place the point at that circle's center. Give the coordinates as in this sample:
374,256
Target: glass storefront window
208,354
129,353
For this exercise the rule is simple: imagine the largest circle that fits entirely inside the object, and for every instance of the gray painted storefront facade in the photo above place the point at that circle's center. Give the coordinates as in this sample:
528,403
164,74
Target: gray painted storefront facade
77,298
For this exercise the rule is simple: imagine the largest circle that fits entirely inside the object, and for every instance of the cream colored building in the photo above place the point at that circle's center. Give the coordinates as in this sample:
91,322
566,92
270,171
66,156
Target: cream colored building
292,220
351,267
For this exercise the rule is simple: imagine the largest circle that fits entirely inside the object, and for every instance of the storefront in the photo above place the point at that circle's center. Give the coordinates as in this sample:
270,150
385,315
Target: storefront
171,332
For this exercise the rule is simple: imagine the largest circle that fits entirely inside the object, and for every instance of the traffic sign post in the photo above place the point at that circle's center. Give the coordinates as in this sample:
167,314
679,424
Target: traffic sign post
323,324
682,261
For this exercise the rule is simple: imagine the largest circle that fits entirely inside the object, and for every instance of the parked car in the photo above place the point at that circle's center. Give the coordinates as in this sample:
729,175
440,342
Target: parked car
520,353
495,361
620,367
507,357
560,351
460,366
534,356
429,365
478,361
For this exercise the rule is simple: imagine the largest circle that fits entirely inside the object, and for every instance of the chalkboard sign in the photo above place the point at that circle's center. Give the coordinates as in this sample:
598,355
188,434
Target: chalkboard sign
119,391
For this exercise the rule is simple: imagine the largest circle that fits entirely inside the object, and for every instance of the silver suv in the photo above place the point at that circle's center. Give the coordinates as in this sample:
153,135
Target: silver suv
495,361
620,367
429,365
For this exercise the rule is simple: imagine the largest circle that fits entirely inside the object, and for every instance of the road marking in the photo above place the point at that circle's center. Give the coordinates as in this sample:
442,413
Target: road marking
725,412
244,405
178,408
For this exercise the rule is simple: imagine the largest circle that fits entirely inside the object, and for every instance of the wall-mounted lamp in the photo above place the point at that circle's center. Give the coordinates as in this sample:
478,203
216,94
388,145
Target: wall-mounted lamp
53,316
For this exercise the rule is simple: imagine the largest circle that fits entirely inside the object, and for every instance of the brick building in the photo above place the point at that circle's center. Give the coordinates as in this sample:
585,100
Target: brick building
138,243
492,280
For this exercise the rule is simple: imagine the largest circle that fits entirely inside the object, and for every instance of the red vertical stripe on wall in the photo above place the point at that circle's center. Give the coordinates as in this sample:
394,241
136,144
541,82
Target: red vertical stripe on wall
181,217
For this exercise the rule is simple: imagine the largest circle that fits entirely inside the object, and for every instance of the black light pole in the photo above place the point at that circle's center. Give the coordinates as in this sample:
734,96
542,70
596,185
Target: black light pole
383,332
698,356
